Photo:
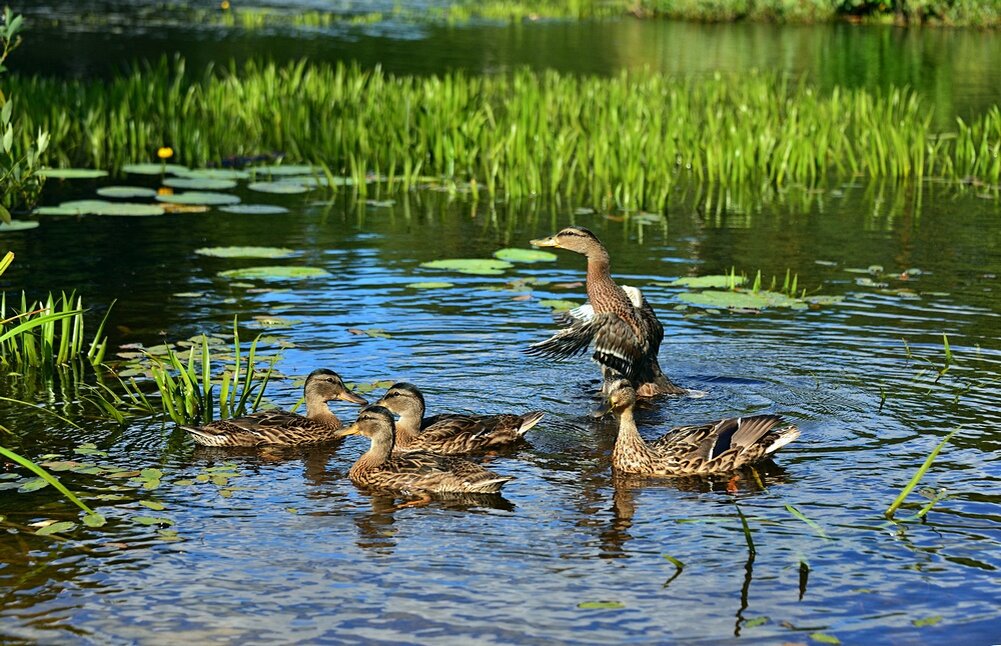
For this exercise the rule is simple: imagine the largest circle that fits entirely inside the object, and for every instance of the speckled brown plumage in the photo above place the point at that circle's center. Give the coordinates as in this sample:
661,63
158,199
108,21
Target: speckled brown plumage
618,321
413,471
449,433
278,427
705,449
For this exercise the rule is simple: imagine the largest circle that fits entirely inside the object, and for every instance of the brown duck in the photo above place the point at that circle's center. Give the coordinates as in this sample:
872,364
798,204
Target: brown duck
713,448
450,434
278,427
618,321
413,471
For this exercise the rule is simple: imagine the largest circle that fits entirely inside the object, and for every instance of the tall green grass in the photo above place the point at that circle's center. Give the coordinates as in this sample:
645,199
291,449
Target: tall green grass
625,141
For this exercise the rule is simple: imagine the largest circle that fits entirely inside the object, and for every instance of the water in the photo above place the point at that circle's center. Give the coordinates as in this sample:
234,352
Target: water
286,548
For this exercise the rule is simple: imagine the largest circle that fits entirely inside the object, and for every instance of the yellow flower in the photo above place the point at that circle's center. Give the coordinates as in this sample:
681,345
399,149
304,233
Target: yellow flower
224,5
165,152
164,190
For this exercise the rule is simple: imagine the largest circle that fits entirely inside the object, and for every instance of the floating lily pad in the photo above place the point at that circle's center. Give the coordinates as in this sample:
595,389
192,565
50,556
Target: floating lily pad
55,528
369,387
274,272
254,209
285,169
213,173
199,183
374,332
313,181
72,173
154,169
601,605
430,285
245,252
18,225
480,266
715,299
199,197
282,188
126,191
524,255
705,282
101,207
558,305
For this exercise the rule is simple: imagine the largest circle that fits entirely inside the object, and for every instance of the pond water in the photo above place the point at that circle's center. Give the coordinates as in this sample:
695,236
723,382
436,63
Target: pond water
287,546
278,545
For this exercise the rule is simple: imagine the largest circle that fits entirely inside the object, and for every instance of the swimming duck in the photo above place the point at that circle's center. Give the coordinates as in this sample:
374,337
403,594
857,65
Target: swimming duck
450,434
278,427
412,471
712,448
617,320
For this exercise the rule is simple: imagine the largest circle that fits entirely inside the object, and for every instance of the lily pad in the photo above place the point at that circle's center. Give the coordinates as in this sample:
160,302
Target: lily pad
314,181
18,225
706,282
213,173
101,207
479,266
601,605
715,299
277,272
524,255
72,173
55,528
558,305
285,169
199,197
154,169
126,191
254,209
282,188
199,183
431,284
245,252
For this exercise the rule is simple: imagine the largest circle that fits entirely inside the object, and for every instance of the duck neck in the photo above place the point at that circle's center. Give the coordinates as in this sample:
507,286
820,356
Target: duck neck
408,427
318,411
382,447
629,436
601,289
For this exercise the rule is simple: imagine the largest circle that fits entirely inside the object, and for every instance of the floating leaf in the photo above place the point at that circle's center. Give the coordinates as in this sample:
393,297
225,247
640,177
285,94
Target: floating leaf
380,204
151,474
741,300
102,207
56,528
32,484
824,638
558,305
72,173
154,169
480,266
206,198
755,621
199,183
927,621
254,209
245,252
18,225
94,520
601,605
213,173
704,282
282,188
430,285
524,255
275,272
186,208
152,520
369,387
126,191
285,169
373,332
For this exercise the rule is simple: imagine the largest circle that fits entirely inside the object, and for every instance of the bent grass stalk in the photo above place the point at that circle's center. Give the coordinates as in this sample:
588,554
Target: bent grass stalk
91,519
916,478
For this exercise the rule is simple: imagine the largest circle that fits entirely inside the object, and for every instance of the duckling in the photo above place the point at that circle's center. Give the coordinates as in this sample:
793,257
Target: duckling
450,434
413,471
716,447
617,320
278,427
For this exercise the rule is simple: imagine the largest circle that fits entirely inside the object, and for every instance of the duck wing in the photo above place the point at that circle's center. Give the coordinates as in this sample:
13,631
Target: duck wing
264,427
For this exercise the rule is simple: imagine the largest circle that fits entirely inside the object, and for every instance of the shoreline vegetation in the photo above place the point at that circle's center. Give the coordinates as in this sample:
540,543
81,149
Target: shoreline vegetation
944,13
626,141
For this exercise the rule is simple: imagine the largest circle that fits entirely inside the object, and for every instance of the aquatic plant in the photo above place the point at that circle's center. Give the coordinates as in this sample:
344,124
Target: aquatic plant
627,141
916,478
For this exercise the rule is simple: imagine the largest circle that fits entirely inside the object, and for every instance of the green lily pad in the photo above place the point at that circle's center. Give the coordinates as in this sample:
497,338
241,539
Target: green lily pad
94,520
313,181
101,207
714,299
277,272
72,173
154,169
601,605
213,173
245,252
558,305
18,225
152,504
430,284
285,169
152,520
705,282
55,528
126,191
199,197
927,621
254,209
32,484
369,387
524,255
282,188
199,183
824,638
479,266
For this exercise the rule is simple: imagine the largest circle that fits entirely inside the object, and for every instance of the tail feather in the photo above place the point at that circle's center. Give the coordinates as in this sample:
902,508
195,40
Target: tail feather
785,435
493,485
528,420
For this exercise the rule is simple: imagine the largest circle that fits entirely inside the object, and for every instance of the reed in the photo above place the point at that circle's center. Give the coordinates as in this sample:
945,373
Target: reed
623,142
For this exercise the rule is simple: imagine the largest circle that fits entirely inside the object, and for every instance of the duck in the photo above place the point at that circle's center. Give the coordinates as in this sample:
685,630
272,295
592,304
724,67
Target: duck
697,450
617,320
420,472
450,434
284,428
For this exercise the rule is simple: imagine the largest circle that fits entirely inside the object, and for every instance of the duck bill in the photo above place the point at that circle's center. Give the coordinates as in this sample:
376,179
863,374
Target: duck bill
349,430
545,242
349,396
